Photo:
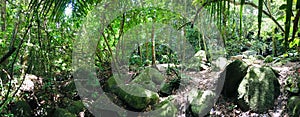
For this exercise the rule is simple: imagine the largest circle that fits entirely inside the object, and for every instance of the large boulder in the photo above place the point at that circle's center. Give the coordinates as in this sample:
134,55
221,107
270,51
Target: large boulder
258,90
165,109
202,103
106,106
167,87
112,84
135,96
235,73
293,106
197,62
150,79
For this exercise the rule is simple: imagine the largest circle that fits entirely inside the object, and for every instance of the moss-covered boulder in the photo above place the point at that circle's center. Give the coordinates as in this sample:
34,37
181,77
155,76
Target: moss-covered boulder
150,79
165,109
197,62
21,108
135,96
258,90
202,103
112,84
293,106
105,106
167,87
76,107
60,112
235,73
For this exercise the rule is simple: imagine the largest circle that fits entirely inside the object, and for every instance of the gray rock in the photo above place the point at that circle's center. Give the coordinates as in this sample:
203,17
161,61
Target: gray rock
150,79
202,104
235,73
293,106
165,109
135,96
258,90
167,87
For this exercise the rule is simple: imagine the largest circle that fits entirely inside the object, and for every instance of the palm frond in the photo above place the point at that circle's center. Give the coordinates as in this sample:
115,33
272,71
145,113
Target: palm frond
56,8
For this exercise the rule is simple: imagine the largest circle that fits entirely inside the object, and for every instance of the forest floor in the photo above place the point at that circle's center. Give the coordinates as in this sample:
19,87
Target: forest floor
206,80
226,107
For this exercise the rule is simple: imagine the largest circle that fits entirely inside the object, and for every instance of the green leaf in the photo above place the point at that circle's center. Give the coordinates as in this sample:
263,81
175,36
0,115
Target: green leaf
296,42
282,7
196,2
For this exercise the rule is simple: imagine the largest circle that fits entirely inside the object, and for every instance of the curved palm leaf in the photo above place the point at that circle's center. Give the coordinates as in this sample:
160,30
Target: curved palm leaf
56,8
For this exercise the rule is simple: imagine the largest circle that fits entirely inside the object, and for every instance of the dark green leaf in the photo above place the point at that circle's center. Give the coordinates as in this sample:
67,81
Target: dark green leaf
282,7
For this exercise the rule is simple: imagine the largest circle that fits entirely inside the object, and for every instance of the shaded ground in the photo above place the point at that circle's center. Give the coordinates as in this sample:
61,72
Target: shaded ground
226,107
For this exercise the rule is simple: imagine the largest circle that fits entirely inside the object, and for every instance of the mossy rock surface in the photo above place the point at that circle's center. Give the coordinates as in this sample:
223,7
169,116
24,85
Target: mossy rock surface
112,84
293,106
165,109
202,103
166,88
258,90
150,79
136,96
235,73
60,112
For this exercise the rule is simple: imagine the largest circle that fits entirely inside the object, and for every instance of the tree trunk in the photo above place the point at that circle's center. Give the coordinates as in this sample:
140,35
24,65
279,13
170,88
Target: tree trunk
153,47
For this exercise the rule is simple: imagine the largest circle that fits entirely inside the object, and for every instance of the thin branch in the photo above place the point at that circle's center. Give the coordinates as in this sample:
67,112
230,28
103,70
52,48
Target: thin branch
237,3
267,7
264,12
8,54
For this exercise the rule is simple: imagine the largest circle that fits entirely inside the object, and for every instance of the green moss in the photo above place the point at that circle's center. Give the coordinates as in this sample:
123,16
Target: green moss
149,78
165,109
112,84
293,106
201,105
258,90
136,96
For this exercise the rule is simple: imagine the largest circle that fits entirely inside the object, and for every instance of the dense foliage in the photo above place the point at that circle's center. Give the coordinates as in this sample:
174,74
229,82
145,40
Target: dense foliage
37,37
